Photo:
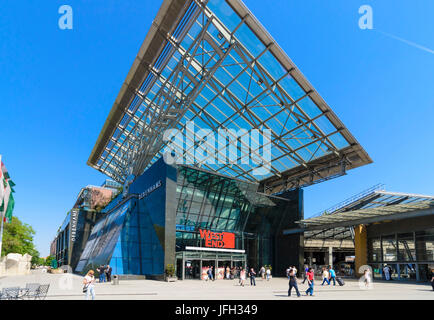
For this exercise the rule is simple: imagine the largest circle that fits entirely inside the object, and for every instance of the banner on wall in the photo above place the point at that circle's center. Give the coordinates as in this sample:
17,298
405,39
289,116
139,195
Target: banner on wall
218,239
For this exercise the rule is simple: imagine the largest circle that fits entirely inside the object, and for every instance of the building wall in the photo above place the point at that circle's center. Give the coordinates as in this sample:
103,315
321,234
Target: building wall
289,249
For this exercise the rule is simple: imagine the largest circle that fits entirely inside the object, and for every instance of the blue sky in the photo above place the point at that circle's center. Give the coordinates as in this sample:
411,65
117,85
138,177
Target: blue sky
57,88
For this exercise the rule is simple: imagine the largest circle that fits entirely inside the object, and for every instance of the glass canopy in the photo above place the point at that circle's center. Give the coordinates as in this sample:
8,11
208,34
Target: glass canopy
211,65
374,206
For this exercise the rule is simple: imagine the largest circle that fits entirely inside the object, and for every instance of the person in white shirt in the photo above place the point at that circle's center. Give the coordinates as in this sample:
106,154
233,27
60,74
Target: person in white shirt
325,276
386,272
89,284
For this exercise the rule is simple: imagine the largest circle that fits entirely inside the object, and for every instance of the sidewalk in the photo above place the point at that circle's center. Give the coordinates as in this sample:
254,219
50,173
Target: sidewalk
70,288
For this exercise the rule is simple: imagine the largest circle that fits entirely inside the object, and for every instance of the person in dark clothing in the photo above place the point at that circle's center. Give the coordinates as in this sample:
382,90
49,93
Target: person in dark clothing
252,275
101,271
108,273
210,274
293,283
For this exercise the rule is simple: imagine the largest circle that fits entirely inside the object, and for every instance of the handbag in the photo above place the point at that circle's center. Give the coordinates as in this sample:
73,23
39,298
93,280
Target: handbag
85,288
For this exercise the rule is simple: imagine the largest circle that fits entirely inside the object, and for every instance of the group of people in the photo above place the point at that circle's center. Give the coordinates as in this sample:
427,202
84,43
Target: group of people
240,273
328,274
105,273
387,271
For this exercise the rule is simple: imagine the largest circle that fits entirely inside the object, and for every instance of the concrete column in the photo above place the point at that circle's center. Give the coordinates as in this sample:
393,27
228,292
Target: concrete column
331,256
215,268
200,269
360,247
183,266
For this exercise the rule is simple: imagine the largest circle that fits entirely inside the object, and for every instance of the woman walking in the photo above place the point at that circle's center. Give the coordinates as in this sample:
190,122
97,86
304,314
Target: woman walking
242,277
310,277
89,281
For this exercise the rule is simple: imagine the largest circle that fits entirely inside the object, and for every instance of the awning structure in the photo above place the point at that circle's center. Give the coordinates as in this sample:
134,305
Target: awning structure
213,63
371,207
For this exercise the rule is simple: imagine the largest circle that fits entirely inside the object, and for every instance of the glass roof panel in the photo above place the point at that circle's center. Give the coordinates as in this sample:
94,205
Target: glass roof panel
218,70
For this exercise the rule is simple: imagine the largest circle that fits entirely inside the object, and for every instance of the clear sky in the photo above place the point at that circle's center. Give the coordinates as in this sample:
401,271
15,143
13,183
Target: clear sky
57,88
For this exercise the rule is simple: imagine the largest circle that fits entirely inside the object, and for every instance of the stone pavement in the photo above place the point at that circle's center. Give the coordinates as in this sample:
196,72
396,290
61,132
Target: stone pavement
69,287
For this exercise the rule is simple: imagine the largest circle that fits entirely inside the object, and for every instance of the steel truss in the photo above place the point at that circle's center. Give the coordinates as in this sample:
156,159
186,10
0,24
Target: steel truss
138,141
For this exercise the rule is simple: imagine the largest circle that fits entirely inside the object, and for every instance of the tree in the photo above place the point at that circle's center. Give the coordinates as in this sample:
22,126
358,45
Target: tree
48,260
18,238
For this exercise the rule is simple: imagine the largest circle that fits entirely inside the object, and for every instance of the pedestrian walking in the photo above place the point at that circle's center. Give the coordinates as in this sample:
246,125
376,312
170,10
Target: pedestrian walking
310,282
252,275
210,274
262,272
268,273
242,277
306,270
89,284
108,273
325,276
332,275
293,282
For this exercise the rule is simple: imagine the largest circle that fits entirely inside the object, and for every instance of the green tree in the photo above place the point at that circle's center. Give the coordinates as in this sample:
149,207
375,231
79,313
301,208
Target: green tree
48,260
18,238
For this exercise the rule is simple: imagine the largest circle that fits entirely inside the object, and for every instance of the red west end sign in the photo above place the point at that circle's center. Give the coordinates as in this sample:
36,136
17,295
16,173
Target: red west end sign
218,239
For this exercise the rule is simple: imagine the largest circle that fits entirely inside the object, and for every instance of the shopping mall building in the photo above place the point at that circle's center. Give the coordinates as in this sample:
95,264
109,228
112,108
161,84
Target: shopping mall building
213,136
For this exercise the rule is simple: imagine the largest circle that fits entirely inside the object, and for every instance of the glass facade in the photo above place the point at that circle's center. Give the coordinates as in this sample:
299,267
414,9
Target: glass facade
220,204
130,238
136,233
410,254
73,235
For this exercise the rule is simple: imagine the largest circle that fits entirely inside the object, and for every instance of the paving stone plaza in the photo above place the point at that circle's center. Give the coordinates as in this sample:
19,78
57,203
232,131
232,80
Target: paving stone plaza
69,287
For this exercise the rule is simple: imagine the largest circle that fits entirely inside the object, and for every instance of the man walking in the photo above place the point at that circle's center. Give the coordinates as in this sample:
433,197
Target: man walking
252,275
332,275
310,277
293,283
108,273
210,275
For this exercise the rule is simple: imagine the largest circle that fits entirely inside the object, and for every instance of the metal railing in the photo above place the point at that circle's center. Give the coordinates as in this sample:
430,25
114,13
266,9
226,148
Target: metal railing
340,205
